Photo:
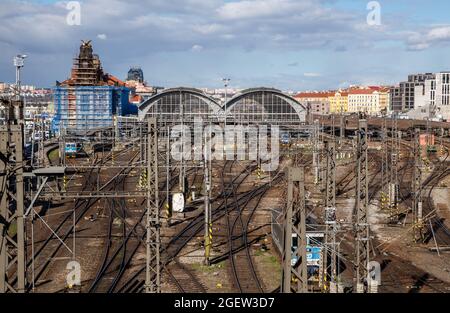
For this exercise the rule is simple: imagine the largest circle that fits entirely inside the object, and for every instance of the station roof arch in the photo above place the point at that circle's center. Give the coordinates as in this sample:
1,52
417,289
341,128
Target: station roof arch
265,105
171,103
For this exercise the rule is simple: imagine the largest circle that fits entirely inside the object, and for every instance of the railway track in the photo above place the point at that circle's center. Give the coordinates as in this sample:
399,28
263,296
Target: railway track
190,230
80,205
183,278
436,229
65,227
401,276
245,278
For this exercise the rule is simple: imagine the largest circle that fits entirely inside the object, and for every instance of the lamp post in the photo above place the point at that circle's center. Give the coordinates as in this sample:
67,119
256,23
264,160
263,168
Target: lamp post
12,248
226,82
19,62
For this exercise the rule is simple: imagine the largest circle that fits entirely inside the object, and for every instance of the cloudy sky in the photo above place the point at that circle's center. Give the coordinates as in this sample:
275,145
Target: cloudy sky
287,44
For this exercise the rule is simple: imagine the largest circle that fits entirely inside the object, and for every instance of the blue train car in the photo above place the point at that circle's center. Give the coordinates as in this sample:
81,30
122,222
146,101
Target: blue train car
314,242
72,149
285,139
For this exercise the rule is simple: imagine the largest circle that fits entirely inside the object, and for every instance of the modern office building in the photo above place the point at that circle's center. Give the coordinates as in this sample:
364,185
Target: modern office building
432,99
136,74
402,96
139,89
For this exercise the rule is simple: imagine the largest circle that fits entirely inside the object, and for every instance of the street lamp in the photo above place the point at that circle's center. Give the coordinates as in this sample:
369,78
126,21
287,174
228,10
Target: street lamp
226,81
19,62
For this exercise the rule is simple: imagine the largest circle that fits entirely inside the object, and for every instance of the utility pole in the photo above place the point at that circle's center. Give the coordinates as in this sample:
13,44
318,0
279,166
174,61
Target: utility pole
330,219
207,169
316,156
384,166
226,82
395,155
182,168
153,259
361,224
342,125
12,243
116,133
341,134
208,213
295,278
417,189
168,205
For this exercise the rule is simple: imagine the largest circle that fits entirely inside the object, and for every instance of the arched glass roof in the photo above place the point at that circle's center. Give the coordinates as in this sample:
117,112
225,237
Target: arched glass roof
171,104
264,105
258,105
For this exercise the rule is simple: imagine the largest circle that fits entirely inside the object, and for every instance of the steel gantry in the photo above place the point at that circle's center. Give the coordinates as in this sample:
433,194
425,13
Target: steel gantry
360,221
295,278
316,152
12,232
394,184
208,210
384,167
417,189
153,242
342,127
330,273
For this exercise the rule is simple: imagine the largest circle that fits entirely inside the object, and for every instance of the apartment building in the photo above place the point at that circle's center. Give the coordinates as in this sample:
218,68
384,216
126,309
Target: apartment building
317,103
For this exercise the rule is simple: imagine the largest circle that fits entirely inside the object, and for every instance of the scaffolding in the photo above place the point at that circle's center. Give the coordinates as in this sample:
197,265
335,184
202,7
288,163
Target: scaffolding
87,69
89,98
86,107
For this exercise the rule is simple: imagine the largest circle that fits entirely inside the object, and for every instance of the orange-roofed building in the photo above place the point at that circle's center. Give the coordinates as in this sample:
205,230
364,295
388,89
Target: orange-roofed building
135,99
339,102
372,100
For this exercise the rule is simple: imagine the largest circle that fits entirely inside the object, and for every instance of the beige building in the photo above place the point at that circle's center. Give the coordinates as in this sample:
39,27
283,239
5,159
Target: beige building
317,103
338,102
371,100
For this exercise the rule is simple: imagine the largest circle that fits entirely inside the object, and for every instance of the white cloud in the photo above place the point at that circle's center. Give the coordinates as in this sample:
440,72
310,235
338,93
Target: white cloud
260,8
419,46
273,28
425,39
171,25
439,33
208,29
196,48
312,74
